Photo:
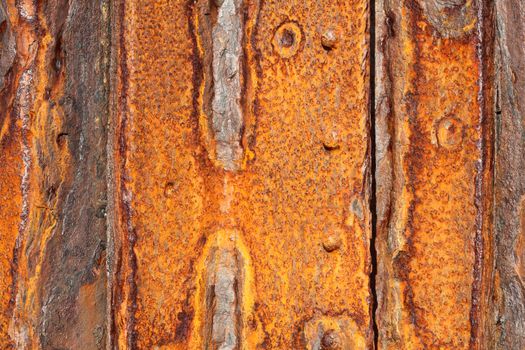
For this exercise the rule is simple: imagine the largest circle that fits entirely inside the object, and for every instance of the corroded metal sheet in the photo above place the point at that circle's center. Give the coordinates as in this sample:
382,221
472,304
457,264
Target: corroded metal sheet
509,294
241,157
223,151
434,163
53,113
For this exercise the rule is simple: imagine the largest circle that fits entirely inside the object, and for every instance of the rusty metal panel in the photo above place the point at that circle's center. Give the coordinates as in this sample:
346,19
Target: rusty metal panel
226,153
509,294
242,163
434,119
53,115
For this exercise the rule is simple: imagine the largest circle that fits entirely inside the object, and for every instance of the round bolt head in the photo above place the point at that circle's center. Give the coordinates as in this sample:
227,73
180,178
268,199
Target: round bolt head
332,243
449,132
329,40
287,39
331,340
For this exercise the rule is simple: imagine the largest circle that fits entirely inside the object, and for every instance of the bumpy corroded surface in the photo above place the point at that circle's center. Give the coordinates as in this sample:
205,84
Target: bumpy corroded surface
296,206
52,186
509,316
434,131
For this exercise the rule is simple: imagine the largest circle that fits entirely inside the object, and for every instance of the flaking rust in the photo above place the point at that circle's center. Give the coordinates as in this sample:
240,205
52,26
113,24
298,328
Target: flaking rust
53,143
241,198
434,173
223,98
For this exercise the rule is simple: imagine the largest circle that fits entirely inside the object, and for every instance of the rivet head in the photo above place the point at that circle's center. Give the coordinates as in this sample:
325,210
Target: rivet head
449,132
287,39
332,242
331,340
331,141
329,40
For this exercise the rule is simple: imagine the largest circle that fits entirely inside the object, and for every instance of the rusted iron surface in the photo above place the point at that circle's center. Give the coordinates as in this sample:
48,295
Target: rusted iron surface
223,151
509,294
434,137
53,116
241,175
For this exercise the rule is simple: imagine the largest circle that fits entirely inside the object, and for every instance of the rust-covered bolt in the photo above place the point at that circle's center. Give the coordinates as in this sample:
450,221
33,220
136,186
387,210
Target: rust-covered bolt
331,141
329,40
332,242
449,132
287,39
330,340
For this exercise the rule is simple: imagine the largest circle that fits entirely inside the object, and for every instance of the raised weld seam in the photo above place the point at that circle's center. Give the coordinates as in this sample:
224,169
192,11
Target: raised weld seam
227,118
225,304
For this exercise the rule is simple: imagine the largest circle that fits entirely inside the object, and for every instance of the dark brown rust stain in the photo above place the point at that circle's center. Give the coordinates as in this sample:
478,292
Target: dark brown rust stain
123,285
68,319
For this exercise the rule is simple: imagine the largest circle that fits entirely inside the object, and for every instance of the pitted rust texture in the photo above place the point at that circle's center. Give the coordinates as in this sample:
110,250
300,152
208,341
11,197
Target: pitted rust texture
54,111
298,202
434,131
238,175
508,320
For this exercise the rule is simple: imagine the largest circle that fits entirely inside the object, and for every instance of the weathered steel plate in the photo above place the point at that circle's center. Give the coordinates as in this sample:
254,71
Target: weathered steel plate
434,162
242,157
